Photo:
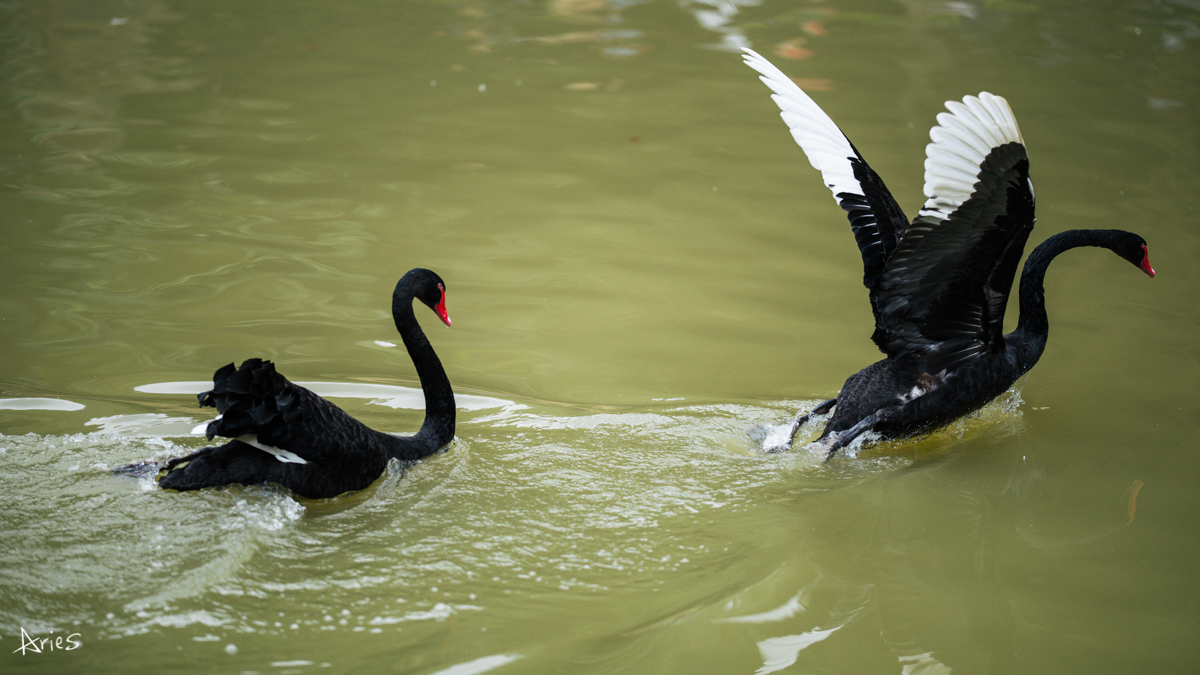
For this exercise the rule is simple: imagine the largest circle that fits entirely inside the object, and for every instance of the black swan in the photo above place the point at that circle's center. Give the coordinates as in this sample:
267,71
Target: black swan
287,435
938,286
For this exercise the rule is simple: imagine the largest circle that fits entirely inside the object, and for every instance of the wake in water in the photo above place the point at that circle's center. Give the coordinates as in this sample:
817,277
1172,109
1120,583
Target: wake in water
1000,414
533,497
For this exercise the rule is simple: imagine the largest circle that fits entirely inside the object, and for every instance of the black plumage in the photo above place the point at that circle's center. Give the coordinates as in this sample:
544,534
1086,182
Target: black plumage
938,286
287,435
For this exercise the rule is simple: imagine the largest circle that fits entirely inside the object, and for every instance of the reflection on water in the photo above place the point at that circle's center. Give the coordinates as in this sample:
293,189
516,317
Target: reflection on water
38,404
381,394
157,424
642,269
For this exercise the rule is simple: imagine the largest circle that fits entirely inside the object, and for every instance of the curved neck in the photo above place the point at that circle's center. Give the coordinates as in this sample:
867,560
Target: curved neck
1027,342
438,427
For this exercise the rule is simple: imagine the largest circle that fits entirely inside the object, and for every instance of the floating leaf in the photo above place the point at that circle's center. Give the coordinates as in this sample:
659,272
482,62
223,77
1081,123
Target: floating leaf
814,28
794,49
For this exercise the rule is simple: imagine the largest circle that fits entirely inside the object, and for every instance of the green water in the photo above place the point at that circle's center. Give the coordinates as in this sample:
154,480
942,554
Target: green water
641,267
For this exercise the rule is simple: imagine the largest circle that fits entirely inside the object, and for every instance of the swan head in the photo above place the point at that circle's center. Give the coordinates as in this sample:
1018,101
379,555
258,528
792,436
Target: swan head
426,286
1133,248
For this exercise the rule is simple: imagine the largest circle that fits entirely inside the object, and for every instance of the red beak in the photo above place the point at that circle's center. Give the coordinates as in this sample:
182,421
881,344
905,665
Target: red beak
1145,263
440,310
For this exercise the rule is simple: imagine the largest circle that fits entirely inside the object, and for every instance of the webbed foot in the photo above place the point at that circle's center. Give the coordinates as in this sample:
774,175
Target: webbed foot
836,440
139,469
794,427
151,467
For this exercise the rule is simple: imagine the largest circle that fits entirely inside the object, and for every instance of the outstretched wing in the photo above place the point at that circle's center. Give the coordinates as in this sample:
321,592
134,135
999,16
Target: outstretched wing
875,218
945,287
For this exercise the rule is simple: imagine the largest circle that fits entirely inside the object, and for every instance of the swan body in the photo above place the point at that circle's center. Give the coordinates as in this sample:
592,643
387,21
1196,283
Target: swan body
939,285
285,434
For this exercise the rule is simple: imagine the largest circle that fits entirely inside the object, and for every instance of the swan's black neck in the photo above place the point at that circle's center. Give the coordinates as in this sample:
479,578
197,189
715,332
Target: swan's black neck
1028,341
438,428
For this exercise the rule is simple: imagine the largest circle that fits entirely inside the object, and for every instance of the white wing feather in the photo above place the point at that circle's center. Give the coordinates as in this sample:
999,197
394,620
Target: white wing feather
285,456
827,148
963,138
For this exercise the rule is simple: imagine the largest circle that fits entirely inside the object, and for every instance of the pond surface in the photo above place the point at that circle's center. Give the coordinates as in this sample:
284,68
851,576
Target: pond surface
643,272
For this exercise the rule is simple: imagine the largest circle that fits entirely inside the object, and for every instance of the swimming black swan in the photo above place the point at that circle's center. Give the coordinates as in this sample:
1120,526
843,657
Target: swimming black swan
938,286
286,434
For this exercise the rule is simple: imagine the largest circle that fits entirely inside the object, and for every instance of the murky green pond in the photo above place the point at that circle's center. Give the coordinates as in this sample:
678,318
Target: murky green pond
642,268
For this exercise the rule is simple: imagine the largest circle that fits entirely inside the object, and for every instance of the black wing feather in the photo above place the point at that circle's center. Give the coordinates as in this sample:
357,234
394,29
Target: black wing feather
938,286
877,221
946,285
